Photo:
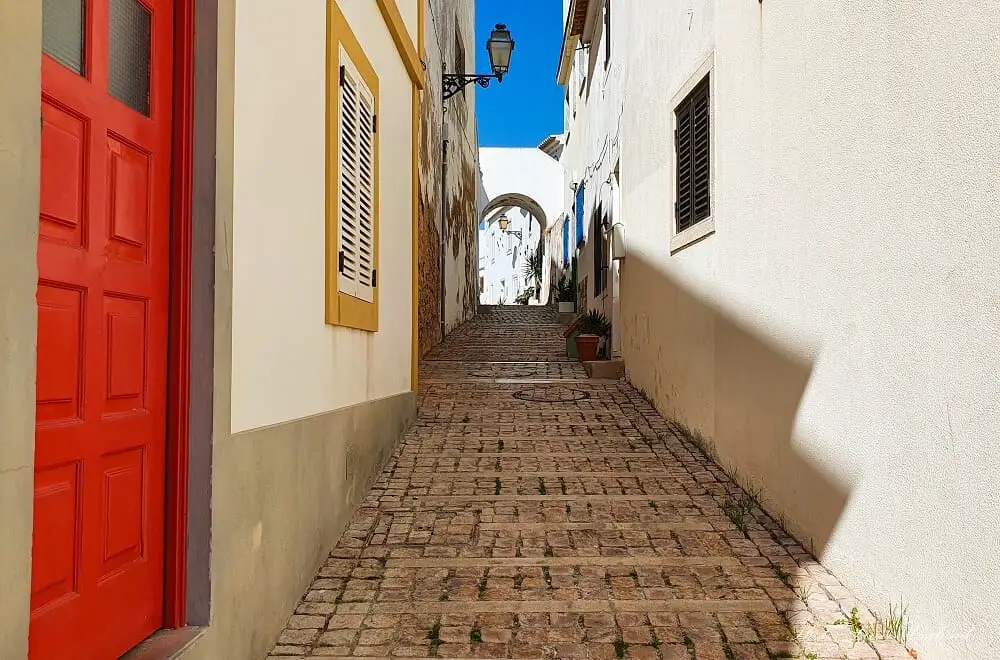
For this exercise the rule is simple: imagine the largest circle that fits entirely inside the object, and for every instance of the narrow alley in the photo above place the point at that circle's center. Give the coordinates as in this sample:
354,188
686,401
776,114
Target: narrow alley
533,513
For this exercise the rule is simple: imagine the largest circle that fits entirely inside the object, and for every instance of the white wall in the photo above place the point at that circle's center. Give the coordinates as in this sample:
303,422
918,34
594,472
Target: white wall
527,171
523,170
594,110
287,363
503,257
836,338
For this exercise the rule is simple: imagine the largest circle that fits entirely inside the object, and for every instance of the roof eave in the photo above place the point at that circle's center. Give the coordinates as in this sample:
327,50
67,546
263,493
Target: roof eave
580,14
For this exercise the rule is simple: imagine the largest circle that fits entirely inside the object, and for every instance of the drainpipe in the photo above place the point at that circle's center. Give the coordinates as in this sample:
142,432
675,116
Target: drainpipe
444,215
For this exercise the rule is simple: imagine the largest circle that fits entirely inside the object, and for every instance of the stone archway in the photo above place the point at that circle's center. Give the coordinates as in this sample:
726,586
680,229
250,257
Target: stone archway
519,200
498,207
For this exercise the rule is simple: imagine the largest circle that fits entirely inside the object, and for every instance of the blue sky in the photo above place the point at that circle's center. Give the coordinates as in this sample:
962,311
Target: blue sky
527,107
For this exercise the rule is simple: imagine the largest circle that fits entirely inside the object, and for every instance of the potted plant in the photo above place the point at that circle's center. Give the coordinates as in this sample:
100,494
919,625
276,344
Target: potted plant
592,326
566,295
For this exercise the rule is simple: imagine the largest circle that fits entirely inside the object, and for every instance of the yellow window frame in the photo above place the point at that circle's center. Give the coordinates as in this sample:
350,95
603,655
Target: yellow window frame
343,309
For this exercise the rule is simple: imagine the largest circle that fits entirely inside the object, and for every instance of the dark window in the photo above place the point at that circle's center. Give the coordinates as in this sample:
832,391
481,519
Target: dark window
130,26
692,141
566,241
597,236
607,32
459,53
579,212
63,32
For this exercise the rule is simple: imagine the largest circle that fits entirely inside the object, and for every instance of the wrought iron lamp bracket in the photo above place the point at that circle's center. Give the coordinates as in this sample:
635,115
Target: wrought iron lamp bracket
455,82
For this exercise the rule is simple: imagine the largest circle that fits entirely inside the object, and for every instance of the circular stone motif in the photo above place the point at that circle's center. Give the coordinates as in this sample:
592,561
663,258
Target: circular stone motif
551,395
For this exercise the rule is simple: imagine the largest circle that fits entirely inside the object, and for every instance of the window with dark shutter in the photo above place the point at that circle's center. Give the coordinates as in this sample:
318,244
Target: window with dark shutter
692,141
598,239
607,33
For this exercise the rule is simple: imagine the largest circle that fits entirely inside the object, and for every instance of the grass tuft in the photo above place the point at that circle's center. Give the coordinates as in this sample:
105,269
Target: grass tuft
739,509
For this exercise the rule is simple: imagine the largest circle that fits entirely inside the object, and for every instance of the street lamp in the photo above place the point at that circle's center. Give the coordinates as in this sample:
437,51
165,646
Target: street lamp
500,46
504,223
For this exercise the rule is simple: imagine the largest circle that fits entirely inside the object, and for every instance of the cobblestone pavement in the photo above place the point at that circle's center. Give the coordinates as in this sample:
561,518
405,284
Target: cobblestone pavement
532,513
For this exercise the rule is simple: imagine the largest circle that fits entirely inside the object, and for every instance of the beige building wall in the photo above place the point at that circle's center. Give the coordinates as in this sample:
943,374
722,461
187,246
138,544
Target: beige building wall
287,362
305,414
20,42
835,339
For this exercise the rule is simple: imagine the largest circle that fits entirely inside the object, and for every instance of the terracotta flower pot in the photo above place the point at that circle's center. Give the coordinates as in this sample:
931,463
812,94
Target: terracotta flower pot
586,347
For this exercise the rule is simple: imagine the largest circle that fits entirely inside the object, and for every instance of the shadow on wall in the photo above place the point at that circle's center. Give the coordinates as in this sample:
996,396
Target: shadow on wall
736,388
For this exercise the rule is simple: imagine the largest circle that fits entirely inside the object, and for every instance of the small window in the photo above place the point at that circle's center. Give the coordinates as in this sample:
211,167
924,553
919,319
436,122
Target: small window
565,241
64,32
356,221
692,140
459,53
602,250
129,47
607,33
597,238
580,196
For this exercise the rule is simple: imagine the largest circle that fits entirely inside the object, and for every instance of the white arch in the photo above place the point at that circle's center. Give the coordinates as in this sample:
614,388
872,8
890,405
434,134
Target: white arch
515,199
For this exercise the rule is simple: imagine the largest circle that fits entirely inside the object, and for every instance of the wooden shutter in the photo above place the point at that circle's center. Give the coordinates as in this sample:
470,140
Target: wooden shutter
693,149
357,185
598,240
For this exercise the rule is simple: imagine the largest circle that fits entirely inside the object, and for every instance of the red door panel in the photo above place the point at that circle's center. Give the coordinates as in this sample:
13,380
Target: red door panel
104,264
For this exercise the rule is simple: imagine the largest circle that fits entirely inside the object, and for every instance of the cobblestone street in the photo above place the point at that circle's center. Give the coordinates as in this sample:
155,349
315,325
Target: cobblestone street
533,513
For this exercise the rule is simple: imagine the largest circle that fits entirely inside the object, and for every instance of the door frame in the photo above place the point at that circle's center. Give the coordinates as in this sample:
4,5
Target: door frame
179,333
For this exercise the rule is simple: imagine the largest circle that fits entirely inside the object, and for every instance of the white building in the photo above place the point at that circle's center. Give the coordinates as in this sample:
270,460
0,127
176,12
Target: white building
524,189
811,276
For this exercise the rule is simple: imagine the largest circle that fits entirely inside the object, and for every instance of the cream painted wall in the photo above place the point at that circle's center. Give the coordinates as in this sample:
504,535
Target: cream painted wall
20,85
837,337
287,363
408,9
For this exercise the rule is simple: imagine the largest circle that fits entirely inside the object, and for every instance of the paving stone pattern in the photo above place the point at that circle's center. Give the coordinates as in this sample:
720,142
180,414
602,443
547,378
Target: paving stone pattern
532,513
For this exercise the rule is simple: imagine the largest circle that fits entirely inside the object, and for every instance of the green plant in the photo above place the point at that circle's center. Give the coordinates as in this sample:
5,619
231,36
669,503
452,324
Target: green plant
476,635
892,626
621,648
533,268
434,637
565,291
593,323
739,509
525,296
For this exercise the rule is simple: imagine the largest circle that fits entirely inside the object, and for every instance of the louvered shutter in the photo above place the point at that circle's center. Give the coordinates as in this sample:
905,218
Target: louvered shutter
357,184
693,149
701,142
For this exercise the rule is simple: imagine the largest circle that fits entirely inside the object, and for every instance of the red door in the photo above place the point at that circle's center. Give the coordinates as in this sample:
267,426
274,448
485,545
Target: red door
103,259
